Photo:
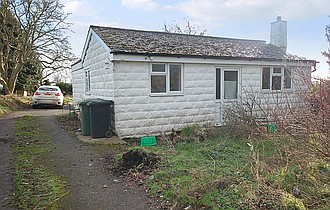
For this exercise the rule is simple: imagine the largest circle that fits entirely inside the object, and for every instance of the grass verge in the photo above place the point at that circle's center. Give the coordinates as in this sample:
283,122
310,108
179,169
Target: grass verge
13,103
35,186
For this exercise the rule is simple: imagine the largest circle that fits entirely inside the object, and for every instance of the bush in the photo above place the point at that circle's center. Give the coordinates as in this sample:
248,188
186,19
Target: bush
190,133
65,87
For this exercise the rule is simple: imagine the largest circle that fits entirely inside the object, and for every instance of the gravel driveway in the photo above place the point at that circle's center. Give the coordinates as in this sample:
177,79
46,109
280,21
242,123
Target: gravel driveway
82,166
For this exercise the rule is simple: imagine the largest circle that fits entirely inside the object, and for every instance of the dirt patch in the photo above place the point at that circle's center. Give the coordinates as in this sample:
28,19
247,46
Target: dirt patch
136,165
139,159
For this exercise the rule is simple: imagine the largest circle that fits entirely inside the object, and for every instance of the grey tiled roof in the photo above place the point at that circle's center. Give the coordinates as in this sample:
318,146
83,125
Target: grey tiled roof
162,43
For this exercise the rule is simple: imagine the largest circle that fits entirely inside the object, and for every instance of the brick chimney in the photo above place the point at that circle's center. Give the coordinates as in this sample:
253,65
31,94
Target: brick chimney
278,33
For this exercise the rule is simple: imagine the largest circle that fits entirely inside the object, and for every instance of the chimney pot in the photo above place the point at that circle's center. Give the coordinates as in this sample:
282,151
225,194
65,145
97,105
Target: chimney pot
279,18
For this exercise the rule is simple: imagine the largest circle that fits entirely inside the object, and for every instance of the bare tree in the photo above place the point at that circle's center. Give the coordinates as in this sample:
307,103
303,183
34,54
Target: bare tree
327,52
41,35
189,28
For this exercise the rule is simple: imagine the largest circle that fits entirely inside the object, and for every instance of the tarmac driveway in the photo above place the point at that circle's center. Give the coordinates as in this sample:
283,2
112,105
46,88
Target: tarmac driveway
81,165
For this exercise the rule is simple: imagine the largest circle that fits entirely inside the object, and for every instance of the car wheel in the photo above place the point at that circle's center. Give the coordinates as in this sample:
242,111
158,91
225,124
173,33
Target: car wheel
34,106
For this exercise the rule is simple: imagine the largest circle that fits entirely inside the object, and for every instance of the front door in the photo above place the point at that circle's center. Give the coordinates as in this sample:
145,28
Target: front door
227,90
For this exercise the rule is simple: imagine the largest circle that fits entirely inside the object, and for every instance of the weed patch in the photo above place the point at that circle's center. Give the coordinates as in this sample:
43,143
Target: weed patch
228,173
210,174
69,122
197,171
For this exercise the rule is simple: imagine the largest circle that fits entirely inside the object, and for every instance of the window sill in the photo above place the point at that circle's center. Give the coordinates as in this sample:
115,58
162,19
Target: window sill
265,91
227,100
165,94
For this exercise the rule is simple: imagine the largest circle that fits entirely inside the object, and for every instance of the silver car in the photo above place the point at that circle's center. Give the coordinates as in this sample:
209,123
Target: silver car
48,95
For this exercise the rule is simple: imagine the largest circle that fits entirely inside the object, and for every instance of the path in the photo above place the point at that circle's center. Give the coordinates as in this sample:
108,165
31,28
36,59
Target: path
6,172
81,166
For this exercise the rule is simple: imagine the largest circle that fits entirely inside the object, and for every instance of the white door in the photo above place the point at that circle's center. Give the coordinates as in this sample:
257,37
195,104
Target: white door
227,90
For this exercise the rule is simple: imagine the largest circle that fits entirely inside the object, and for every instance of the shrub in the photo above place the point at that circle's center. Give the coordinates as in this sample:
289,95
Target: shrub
65,87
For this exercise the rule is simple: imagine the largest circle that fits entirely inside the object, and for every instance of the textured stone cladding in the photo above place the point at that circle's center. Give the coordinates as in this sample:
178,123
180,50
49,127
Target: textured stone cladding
78,81
265,104
97,61
138,113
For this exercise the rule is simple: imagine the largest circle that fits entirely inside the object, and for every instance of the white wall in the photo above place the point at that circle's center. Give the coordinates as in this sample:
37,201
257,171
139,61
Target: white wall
138,113
268,103
97,61
78,82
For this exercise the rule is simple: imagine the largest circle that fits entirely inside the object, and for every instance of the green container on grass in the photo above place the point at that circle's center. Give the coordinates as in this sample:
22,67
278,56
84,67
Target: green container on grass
148,141
272,127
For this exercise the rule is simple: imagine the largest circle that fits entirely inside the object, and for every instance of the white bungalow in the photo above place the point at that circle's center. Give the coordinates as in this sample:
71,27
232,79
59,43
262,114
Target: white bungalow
161,81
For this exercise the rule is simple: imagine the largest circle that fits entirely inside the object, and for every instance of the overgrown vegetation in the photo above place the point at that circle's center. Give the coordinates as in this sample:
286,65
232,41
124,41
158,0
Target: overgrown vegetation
65,87
70,122
12,103
209,174
196,168
35,186
229,173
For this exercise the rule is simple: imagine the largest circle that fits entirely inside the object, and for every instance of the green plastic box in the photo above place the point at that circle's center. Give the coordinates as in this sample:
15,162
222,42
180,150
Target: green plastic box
148,141
272,127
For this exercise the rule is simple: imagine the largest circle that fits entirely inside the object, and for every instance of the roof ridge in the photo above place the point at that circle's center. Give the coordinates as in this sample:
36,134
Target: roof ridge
176,34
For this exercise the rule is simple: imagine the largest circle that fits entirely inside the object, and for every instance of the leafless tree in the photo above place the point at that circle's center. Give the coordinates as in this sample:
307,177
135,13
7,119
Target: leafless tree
41,34
327,52
189,28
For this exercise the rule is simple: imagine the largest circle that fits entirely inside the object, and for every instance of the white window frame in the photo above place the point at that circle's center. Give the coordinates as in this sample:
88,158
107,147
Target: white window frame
168,82
222,83
272,74
87,81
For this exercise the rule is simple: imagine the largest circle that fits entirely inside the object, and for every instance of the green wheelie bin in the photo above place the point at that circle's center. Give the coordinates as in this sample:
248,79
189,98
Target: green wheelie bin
85,118
99,110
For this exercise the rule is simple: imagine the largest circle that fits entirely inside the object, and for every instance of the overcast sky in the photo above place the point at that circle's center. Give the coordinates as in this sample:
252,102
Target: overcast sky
248,19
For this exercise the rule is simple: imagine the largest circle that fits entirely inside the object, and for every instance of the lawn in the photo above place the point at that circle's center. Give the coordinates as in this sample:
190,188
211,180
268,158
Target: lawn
228,173
214,173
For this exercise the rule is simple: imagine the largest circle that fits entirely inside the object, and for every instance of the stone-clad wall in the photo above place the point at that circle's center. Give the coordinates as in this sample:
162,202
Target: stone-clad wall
138,113
268,103
97,61
78,82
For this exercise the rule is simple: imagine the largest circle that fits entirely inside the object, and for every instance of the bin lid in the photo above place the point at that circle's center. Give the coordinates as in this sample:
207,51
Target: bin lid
84,102
99,102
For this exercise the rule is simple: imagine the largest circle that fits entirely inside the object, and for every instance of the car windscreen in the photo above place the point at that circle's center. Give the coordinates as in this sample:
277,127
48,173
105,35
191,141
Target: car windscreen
47,89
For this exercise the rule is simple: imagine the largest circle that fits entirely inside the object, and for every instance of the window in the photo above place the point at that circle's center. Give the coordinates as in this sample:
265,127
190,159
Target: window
166,78
276,78
227,84
88,80
287,79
